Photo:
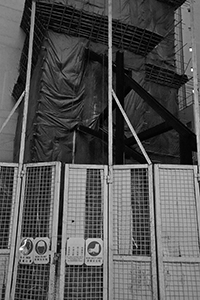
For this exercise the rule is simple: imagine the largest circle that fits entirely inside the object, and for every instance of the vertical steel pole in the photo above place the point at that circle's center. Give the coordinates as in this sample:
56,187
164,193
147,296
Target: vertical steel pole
195,83
110,127
27,88
12,268
110,155
180,42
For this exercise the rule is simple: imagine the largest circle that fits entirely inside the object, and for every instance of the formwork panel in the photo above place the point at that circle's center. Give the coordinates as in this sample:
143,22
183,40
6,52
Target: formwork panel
133,234
177,214
38,218
83,218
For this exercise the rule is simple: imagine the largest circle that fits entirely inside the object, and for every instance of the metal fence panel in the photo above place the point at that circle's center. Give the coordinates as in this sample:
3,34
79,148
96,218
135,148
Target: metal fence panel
177,215
83,219
8,184
134,271
38,218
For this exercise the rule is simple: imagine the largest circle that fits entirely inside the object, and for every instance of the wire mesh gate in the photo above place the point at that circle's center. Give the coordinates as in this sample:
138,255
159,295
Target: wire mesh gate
177,213
83,264
8,181
34,273
83,270
134,268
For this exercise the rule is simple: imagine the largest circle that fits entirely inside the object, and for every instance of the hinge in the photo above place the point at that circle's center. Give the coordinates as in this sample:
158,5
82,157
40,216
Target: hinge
22,173
109,179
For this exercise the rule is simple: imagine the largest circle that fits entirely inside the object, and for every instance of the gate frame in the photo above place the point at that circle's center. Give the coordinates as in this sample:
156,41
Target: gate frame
54,232
12,228
152,257
159,250
105,226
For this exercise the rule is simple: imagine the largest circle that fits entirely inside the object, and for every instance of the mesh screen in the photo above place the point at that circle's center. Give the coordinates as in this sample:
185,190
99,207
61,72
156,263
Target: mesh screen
7,190
178,213
182,281
3,274
32,281
179,233
38,202
84,219
132,280
83,282
132,274
131,212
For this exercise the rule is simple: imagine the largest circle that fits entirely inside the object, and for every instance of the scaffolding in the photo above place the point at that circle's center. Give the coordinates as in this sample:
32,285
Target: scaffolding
126,231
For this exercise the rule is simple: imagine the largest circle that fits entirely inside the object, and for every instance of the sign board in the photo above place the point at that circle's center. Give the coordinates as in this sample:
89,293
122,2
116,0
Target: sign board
94,252
41,250
26,251
75,251
34,250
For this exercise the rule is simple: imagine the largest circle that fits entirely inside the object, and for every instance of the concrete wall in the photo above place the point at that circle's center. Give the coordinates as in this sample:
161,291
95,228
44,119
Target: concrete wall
11,43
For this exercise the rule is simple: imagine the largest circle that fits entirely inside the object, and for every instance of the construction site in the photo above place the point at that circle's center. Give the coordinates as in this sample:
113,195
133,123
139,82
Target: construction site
99,192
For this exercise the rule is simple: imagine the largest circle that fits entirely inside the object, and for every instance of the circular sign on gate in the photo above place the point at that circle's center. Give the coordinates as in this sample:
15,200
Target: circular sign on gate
26,246
94,252
41,247
94,248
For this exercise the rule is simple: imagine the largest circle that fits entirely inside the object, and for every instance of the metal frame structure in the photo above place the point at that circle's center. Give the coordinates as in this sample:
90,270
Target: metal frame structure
38,217
83,184
177,227
8,189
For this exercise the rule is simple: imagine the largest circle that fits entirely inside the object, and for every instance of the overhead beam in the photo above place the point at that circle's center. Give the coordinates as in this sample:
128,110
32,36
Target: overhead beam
149,133
153,103
104,137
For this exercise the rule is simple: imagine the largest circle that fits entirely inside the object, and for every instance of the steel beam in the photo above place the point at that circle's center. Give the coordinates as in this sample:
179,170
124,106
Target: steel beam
104,137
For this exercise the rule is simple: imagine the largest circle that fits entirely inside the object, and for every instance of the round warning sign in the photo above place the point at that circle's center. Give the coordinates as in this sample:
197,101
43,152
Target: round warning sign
41,247
41,250
26,246
94,248
94,252
26,251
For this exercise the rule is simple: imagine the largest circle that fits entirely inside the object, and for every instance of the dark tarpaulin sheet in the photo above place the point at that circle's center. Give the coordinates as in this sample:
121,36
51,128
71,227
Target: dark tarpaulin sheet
66,91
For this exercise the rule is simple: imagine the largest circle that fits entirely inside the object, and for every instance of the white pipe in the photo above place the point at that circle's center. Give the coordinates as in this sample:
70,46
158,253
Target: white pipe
12,111
15,240
110,158
132,129
195,83
110,127
27,88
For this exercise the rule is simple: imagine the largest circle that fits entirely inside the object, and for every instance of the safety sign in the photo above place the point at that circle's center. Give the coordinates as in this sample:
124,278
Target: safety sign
26,251
94,252
34,250
75,251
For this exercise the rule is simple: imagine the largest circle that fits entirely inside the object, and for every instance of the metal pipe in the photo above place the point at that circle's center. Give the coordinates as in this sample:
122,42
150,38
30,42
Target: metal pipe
195,83
15,239
132,129
12,111
27,88
110,127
